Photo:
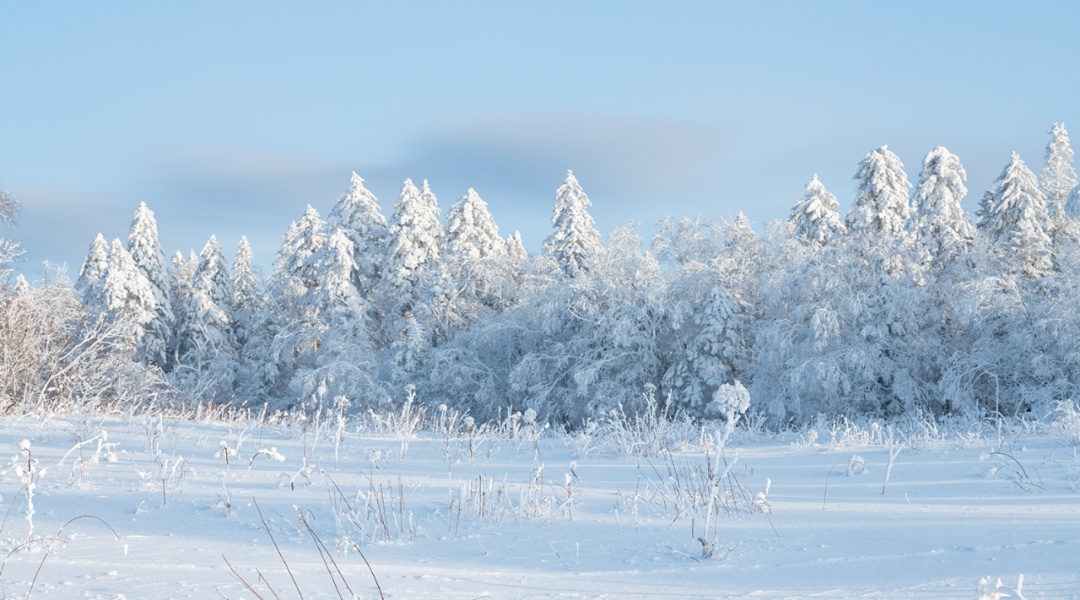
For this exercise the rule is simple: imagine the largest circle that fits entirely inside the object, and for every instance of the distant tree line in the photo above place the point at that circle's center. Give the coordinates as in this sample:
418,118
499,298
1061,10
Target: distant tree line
904,304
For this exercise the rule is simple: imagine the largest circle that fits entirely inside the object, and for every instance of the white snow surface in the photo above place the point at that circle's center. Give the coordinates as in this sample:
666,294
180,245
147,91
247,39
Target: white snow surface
940,528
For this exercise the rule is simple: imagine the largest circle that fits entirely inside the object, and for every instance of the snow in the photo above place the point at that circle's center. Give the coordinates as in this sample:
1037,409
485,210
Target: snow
556,523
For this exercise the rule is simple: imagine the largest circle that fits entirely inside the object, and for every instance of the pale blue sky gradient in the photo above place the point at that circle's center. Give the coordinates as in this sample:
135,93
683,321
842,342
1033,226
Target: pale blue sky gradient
228,118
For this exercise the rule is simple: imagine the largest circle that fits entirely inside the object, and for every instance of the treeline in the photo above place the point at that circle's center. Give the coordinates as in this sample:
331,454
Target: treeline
904,304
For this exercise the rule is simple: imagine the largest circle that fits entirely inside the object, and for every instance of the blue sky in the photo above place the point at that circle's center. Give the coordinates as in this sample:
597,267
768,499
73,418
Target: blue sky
229,118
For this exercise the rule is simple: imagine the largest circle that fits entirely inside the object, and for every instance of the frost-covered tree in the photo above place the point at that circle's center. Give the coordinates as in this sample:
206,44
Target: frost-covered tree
412,265
515,249
708,360
815,217
150,258
943,230
22,287
208,346
1058,175
471,232
247,290
475,276
881,197
358,215
126,292
591,342
293,274
575,242
287,316
1013,215
335,353
89,285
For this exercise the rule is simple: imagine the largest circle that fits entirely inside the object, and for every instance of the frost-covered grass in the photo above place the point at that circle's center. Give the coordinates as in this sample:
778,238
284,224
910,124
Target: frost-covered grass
442,507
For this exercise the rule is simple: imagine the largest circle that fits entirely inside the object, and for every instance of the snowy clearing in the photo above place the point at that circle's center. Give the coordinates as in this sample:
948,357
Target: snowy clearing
465,517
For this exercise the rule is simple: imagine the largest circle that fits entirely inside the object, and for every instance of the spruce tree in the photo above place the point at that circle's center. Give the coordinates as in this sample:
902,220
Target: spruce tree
247,290
90,283
1014,216
515,250
127,293
358,215
209,345
471,232
575,242
473,276
412,267
881,197
150,258
292,274
708,359
943,230
1058,175
815,217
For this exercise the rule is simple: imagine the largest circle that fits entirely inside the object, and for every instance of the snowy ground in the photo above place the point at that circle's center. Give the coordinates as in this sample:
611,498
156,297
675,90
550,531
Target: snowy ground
436,523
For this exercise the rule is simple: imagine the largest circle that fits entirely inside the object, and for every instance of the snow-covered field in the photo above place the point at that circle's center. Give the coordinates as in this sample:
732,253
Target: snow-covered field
487,516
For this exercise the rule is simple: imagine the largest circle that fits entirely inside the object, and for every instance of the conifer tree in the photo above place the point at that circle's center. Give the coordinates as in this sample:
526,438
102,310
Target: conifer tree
575,241
473,275
22,287
181,286
515,250
292,272
815,217
943,229
247,290
150,258
881,197
338,352
209,347
1058,175
412,268
471,232
126,291
90,283
708,360
1013,215
358,215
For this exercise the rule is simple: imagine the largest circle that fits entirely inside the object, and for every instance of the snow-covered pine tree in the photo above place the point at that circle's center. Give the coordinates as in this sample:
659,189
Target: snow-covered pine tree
90,285
471,232
22,287
708,360
815,217
126,291
943,230
1058,175
881,198
292,274
358,215
473,273
334,342
1013,215
575,241
247,290
515,250
181,284
411,267
208,350
150,258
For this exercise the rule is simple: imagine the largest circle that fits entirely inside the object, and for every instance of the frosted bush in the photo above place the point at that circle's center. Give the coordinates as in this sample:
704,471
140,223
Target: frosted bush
732,401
